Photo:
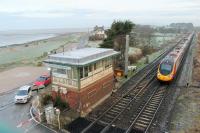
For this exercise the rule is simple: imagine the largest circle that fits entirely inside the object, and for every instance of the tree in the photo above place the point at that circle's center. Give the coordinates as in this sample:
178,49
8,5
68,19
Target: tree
116,39
146,32
118,28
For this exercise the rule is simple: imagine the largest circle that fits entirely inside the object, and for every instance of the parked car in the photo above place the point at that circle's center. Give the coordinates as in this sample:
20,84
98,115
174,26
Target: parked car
42,81
23,94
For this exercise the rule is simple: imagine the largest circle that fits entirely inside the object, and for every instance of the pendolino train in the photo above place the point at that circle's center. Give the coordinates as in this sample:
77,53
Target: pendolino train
168,67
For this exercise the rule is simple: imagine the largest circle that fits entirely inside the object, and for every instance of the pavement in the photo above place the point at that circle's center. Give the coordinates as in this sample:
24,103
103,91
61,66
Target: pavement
19,76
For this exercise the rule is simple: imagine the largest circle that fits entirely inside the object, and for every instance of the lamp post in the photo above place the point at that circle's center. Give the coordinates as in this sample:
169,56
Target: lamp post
50,72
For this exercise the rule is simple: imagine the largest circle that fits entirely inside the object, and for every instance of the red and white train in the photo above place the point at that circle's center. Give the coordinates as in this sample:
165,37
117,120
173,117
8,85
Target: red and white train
168,67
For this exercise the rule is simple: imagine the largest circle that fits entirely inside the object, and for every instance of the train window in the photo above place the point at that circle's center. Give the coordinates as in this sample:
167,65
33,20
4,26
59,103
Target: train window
166,68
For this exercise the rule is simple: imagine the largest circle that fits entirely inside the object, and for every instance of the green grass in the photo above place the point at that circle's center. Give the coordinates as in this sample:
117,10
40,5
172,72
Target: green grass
142,62
35,49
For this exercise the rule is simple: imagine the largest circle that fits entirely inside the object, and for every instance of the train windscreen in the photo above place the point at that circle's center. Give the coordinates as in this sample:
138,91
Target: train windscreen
166,68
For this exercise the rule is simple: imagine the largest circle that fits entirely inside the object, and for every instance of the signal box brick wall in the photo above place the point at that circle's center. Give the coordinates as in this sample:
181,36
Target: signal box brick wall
88,96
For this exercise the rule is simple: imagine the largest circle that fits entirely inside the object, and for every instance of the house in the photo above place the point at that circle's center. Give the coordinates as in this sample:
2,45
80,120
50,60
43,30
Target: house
83,77
98,33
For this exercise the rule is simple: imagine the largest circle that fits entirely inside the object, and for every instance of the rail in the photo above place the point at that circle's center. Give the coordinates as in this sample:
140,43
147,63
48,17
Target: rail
146,115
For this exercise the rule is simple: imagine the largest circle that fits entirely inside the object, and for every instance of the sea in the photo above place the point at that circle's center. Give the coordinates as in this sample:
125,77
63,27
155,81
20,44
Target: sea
15,37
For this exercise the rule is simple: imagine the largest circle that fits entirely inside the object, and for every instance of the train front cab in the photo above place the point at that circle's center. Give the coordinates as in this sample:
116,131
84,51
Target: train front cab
166,71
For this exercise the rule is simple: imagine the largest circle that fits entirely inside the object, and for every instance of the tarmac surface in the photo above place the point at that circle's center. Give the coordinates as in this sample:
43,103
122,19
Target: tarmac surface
16,116
19,76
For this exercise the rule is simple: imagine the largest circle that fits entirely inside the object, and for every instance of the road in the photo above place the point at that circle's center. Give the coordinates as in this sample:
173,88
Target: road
83,41
16,116
11,114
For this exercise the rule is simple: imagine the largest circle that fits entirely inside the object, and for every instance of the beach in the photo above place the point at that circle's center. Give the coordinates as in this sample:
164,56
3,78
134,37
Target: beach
34,52
11,39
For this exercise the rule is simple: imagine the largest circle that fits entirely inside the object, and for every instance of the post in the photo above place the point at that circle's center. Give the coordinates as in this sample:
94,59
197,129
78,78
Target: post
63,49
51,76
58,113
126,56
79,80
39,115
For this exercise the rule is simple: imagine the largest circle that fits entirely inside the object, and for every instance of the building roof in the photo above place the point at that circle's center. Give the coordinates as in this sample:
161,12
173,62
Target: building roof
96,28
81,56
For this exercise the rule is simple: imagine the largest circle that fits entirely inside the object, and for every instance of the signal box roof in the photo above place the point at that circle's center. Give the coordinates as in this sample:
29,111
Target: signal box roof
81,56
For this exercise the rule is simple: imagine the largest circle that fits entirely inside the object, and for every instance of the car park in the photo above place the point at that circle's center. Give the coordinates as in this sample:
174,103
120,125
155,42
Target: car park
23,94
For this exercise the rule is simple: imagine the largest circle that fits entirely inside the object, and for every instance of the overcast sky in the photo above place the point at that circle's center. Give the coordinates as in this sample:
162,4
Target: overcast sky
36,14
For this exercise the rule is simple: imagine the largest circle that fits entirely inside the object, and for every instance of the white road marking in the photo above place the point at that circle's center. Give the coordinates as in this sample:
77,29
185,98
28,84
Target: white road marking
24,122
40,123
28,129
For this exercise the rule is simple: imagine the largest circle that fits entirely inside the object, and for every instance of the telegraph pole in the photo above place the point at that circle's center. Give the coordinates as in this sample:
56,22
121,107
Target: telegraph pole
126,56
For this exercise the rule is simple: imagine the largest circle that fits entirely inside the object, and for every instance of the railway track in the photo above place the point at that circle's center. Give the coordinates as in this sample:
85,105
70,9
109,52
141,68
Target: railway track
147,111
111,115
124,114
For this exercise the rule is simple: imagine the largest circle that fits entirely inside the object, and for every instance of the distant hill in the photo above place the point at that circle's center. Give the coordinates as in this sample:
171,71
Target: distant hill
197,29
188,26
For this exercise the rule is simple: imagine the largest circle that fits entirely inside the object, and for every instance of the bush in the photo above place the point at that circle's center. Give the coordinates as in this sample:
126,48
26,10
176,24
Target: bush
107,44
134,58
39,64
146,50
59,103
45,54
46,99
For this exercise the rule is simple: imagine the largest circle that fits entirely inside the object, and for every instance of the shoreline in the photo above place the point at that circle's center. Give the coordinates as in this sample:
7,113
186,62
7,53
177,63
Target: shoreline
32,53
17,44
37,40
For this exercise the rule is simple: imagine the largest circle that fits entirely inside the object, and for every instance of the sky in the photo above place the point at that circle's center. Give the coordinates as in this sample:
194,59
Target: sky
37,14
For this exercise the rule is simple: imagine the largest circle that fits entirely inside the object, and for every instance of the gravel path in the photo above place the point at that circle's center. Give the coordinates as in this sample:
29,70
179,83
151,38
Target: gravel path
186,113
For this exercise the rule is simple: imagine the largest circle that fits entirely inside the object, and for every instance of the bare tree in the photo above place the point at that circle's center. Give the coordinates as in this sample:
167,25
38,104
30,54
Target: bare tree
146,33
